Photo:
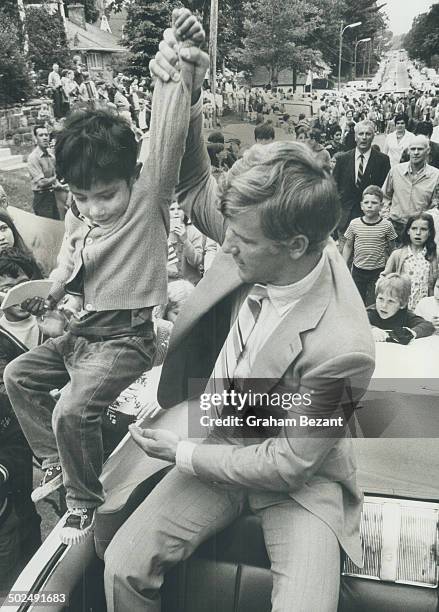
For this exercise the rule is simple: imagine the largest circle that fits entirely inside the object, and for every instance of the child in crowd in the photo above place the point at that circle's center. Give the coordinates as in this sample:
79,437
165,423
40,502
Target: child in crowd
428,307
19,522
114,256
417,257
187,243
371,239
390,318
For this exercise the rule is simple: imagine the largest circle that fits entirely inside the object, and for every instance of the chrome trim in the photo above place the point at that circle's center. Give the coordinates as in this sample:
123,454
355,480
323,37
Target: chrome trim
400,542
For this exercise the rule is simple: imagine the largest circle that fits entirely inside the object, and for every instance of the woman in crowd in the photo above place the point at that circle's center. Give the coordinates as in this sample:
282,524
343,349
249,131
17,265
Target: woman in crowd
187,242
10,238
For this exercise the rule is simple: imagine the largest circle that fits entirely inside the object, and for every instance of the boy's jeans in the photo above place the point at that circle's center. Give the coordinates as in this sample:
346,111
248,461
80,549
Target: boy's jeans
91,375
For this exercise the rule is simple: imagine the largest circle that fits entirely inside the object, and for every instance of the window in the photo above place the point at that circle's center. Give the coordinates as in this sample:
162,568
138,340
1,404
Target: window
95,60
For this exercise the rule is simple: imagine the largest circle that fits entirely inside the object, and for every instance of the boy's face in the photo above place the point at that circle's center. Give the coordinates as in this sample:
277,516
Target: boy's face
13,313
371,205
387,305
104,203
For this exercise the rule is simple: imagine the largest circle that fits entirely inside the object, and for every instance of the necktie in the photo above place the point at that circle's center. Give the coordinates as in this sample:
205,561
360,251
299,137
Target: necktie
223,372
360,171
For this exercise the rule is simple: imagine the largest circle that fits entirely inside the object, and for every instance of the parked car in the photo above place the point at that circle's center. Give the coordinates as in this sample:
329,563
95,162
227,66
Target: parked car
396,431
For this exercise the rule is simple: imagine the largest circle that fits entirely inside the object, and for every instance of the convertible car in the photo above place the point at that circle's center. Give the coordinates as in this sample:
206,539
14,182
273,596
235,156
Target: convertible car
396,434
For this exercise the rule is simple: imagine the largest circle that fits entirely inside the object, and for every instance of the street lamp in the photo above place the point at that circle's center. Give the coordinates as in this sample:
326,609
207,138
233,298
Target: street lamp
342,31
355,53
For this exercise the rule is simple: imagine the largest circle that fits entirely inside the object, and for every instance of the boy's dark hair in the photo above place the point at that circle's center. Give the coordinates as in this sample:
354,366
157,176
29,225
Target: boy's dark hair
401,117
14,262
95,146
264,131
375,191
217,137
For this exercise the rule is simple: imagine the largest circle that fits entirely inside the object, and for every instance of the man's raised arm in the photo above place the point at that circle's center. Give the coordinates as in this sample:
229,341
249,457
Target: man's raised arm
197,189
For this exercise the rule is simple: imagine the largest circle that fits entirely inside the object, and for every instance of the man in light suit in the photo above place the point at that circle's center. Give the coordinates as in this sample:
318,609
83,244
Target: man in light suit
273,217
356,170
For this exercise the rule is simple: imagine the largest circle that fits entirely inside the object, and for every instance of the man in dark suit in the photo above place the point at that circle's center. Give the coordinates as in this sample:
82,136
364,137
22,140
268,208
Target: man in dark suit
278,206
356,170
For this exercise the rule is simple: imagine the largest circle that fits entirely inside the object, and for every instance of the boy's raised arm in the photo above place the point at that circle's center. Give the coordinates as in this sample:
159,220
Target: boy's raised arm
197,189
169,124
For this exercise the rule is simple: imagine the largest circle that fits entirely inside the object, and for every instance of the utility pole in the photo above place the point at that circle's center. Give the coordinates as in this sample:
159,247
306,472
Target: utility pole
370,57
212,52
22,16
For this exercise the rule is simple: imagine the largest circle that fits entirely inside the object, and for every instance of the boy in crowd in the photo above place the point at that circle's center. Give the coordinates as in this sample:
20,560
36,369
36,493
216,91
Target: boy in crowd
114,257
390,318
428,307
19,522
264,133
371,239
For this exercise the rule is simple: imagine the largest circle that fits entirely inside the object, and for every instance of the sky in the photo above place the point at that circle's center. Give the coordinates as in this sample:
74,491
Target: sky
402,12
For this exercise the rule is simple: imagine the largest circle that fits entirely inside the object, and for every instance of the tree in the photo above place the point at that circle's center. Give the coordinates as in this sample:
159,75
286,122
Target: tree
146,20
15,83
269,40
47,39
422,41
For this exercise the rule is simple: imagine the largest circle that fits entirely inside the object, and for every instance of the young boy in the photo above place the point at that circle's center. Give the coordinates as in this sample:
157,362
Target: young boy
371,239
390,318
114,256
19,522
428,307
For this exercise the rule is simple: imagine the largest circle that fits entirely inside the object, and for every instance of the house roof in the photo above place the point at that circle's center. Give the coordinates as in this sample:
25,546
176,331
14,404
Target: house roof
91,38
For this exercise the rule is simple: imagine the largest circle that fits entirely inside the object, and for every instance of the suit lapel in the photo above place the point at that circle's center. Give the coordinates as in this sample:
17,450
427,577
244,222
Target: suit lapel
351,171
284,344
221,279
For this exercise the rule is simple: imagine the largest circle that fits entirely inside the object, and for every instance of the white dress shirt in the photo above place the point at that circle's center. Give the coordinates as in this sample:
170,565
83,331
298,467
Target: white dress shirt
394,148
281,299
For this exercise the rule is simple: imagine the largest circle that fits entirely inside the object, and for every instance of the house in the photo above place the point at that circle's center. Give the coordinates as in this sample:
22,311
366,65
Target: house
261,77
98,49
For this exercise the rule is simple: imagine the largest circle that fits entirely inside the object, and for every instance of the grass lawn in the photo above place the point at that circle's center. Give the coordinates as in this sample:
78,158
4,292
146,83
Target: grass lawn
16,183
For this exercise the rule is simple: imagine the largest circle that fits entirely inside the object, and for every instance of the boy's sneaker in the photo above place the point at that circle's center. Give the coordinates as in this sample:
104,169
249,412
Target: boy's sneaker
51,481
79,523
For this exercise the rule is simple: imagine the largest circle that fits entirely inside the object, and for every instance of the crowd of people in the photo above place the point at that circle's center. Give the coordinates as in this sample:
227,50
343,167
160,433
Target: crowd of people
130,229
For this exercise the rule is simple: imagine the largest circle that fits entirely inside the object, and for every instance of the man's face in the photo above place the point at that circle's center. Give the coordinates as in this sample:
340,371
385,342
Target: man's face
104,203
55,68
364,137
42,138
418,151
337,136
259,259
13,313
400,127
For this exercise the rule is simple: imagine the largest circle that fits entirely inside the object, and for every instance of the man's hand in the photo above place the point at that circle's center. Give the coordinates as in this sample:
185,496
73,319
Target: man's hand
435,321
186,29
157,443
379,335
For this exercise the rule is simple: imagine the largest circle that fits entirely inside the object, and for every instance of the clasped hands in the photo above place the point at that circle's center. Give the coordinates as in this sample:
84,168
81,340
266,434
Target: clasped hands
181,42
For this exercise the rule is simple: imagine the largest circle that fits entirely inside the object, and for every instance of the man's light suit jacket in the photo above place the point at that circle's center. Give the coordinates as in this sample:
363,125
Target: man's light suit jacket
323,345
